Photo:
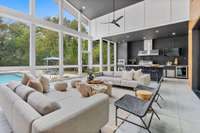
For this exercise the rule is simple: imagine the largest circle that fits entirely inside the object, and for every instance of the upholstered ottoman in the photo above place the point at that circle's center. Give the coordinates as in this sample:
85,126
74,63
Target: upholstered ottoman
75,82
60,86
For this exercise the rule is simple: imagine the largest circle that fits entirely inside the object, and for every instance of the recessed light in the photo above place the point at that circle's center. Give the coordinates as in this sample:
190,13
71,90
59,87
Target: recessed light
144,37
157,31
173,33
83,7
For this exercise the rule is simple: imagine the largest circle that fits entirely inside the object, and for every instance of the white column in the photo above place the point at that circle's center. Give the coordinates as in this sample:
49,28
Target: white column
32,51
115,56
100,55
61,55
90,54
79,46
90,47
108,56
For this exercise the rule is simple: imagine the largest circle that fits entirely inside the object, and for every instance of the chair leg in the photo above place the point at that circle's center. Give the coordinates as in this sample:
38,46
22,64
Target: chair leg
161,97
158,104
146,127
155,114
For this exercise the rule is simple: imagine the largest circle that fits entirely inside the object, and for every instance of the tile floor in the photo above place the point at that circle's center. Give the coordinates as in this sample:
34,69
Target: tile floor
180,111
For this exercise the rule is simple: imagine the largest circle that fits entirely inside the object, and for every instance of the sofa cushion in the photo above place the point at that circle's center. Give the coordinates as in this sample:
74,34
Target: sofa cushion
129,83
42,104
109,74
45,83
23,117
118,74
113,80
23,91
127,75
13,85
26,78
36,84
137,74
7,99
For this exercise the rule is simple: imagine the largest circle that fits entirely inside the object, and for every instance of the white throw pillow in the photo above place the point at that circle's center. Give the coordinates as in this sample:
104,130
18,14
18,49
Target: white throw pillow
138,74
133,72
127,75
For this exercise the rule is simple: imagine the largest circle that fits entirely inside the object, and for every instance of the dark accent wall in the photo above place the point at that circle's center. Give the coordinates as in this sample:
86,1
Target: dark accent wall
161,44
196,60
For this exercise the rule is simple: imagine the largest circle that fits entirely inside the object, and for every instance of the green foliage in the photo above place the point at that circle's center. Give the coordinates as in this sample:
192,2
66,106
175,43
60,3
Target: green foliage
14,44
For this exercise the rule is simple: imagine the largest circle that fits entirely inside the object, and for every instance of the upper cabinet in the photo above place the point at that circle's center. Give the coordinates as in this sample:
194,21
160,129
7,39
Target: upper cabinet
142,15
157,12
180,10
113,28
134,16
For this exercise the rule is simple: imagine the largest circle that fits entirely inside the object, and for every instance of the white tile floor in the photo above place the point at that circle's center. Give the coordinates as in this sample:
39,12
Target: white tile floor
180,111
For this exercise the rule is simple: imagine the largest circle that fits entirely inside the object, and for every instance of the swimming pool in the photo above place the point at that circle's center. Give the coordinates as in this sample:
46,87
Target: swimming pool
7,77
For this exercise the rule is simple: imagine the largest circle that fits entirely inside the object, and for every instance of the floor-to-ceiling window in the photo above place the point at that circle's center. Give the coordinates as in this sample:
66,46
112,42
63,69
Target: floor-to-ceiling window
14,43
18,5
47,10
70,56
47,35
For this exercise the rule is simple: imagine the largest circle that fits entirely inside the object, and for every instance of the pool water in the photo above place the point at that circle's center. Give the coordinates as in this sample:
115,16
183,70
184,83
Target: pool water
6,78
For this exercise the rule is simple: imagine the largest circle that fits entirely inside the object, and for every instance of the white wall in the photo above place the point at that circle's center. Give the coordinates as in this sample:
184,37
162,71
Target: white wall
143,15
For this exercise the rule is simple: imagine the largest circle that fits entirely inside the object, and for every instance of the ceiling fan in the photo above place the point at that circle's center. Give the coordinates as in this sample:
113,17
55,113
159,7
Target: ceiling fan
114,21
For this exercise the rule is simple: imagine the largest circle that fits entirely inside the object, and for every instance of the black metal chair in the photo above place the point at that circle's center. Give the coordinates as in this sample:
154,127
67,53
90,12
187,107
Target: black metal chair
138,108
152,89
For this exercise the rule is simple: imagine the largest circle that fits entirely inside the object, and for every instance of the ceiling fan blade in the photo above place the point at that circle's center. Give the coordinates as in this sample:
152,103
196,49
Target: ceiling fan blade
107,23
119,18
117,24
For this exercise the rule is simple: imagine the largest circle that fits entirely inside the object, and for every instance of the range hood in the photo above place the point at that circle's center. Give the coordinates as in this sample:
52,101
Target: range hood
148,49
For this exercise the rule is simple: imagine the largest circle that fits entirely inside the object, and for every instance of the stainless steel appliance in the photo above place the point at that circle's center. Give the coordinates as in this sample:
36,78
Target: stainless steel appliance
181,72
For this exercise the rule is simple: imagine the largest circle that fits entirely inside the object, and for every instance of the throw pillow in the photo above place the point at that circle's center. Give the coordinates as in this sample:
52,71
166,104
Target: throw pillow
13,85
85,90
45,83
35,84
127,75
133,72
26,78
24,91
144,95
42,104
138,74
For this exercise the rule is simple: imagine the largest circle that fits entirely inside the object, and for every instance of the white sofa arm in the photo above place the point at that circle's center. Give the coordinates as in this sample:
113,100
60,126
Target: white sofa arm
144,79
88,118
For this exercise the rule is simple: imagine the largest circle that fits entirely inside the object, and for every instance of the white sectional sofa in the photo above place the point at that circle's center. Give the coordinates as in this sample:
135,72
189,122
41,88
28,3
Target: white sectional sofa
117,79
75,115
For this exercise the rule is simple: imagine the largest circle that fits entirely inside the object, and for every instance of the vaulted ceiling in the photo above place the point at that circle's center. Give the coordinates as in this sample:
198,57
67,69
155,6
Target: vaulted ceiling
96,8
